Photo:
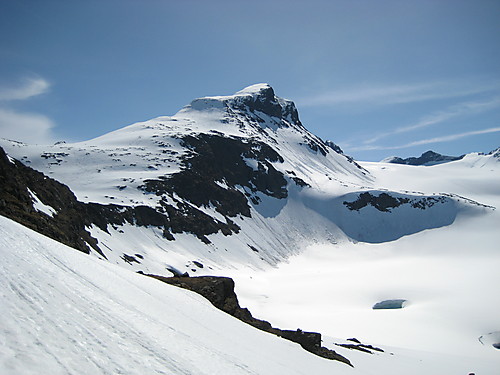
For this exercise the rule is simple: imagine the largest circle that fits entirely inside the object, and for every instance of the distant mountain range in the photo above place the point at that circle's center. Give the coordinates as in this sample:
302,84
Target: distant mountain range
429,158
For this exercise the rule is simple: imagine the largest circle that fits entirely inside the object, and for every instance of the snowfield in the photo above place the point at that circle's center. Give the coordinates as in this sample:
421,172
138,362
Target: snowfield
67,313
341,239
448,276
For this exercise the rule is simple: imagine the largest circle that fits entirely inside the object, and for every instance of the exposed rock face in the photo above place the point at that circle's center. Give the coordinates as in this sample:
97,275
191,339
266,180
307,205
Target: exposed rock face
427,158
361,347
66,225
264,100
220,292
257,106
71,218
382,202
379,215
216,167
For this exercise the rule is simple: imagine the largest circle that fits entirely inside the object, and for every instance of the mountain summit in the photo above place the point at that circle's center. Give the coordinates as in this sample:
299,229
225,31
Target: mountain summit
258,100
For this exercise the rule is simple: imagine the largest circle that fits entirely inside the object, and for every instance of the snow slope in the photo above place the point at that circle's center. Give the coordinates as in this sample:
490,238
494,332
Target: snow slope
67,313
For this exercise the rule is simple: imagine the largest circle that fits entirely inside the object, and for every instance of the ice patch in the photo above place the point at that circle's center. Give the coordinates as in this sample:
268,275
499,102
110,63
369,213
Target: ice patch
390,304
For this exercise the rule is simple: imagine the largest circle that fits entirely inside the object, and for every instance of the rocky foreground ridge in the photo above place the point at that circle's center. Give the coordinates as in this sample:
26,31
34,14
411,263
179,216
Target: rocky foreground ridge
220,292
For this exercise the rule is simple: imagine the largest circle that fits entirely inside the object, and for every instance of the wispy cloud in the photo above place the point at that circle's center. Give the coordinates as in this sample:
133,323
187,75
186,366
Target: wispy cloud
446,138
457,110
377,95
25,127
20,125
30,87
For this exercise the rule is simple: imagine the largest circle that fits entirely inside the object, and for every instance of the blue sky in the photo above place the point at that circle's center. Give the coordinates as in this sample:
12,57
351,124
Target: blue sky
379,78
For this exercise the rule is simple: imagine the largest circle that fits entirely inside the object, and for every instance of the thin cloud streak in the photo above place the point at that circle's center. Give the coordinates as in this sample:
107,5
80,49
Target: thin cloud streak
447,138
461,109
30,87
393,94
26,127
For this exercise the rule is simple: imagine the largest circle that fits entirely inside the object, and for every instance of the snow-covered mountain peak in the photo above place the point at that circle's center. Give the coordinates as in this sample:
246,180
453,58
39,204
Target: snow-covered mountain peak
259,91
257,103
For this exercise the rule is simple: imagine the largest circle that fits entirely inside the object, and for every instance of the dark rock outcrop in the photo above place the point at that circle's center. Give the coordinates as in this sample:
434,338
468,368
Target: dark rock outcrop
384,202
362,347
216,167
66,225
215,174
495,153
220,292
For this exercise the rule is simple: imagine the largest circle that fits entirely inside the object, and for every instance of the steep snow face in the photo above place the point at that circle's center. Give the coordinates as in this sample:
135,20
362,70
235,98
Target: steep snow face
377,216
